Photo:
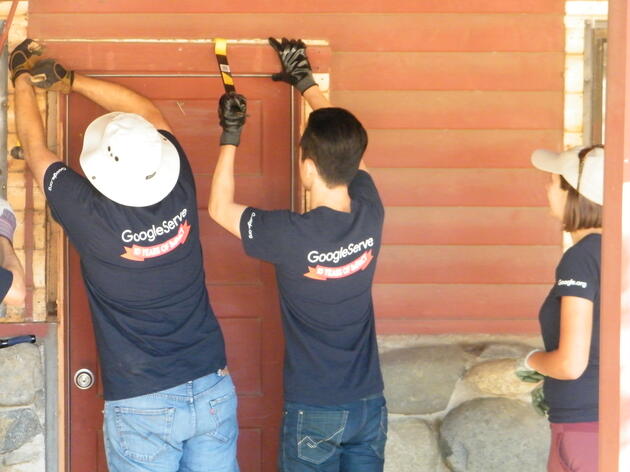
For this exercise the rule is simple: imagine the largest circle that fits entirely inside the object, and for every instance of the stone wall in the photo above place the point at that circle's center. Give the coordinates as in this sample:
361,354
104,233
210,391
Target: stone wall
455,405
22,409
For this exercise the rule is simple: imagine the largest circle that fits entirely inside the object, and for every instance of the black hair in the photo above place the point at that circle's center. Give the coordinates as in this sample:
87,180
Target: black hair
335,140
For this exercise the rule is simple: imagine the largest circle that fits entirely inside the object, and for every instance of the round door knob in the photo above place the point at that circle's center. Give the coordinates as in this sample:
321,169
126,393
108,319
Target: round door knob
84,379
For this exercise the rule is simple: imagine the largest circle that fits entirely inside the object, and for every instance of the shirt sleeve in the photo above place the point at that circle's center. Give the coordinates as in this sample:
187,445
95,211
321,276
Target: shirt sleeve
362,187
69,195
265,234
577,276
6,280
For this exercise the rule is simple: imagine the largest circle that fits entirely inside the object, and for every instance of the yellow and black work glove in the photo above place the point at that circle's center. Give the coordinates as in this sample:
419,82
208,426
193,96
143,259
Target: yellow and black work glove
24,57
296,70
232,115
50,75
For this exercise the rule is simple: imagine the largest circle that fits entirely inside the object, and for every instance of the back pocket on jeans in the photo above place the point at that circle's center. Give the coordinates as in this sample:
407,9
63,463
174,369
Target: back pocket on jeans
143,434
378,445
319,434
223,417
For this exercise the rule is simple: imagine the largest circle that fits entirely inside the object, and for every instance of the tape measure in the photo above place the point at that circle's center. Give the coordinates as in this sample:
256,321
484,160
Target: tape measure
220,50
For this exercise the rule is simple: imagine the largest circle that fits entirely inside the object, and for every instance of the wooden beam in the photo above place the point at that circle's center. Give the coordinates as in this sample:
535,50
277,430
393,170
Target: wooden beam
615,305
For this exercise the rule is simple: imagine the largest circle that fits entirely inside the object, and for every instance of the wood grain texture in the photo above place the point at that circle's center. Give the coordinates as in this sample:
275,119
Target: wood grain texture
457,326
291,6
462,187
471,226
368,32
448,71
454,109
456,148
467,264
458,302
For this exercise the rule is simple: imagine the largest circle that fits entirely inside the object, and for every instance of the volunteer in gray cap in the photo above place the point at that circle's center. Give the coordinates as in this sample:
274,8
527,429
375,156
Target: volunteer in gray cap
569,316
170,403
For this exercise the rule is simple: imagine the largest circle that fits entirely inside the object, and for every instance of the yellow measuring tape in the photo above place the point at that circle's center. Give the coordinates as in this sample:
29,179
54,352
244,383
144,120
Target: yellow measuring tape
220,50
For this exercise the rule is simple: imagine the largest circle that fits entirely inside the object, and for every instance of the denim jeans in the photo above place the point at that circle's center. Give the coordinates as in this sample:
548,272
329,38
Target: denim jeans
342,438
188,428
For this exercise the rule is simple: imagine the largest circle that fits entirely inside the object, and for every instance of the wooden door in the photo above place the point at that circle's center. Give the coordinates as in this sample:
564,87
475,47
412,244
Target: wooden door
242,290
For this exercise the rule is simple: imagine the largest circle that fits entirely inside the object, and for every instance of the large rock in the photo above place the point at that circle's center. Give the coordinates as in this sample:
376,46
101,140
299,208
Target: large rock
412,447
21,374
497,377
17,427
30,453
421,380
495,435
504,350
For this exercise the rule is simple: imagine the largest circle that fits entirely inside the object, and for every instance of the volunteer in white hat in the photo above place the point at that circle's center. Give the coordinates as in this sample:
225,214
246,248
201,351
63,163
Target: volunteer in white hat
133,219
569,316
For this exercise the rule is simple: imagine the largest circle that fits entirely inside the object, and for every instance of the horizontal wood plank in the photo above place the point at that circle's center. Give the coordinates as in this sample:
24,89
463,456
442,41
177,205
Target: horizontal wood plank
368,32
462,187
179,58
454,148
467,264
448,71
291,6
471,226
454,109
458,302
457,326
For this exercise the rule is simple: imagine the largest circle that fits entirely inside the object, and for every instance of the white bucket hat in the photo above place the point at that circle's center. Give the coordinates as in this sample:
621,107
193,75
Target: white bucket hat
567,164
128,160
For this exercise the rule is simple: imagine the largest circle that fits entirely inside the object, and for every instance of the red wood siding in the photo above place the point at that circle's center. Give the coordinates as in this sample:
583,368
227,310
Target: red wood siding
455,94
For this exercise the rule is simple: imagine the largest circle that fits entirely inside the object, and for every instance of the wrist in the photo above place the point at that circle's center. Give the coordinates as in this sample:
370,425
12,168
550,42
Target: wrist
305,83
23,79
526,359
230,138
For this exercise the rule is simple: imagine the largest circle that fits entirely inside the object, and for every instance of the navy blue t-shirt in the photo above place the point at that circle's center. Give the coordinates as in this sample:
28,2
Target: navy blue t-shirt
6,280
143,270
577,275
325,261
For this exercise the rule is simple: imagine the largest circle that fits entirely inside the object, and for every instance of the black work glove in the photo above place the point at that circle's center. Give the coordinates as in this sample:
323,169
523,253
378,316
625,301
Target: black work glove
24,57
296,70
232,115
50,75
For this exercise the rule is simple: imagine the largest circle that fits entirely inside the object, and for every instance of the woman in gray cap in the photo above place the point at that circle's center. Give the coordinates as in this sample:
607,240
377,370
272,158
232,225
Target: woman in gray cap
569,316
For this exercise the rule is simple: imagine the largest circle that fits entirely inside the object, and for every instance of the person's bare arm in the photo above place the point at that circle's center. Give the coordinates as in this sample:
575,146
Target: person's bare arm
9,261
569,361
115,97
222,207
30,130
316,98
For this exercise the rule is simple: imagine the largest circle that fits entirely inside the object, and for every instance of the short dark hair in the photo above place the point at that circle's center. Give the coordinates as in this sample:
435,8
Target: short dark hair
335,140
579,211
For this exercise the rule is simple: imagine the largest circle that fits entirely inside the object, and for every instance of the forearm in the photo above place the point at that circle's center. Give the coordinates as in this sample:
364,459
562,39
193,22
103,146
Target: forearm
221,206
30,130
115,97
555,364
316,98
222,191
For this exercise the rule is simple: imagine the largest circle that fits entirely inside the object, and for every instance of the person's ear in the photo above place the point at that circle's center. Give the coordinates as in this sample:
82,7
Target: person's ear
309,172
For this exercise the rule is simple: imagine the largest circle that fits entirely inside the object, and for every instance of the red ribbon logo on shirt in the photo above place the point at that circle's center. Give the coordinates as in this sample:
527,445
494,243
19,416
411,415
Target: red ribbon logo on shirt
140,253
320,272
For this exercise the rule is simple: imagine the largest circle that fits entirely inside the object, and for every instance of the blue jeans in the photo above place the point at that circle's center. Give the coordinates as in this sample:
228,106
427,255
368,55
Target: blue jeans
188,428
342,438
